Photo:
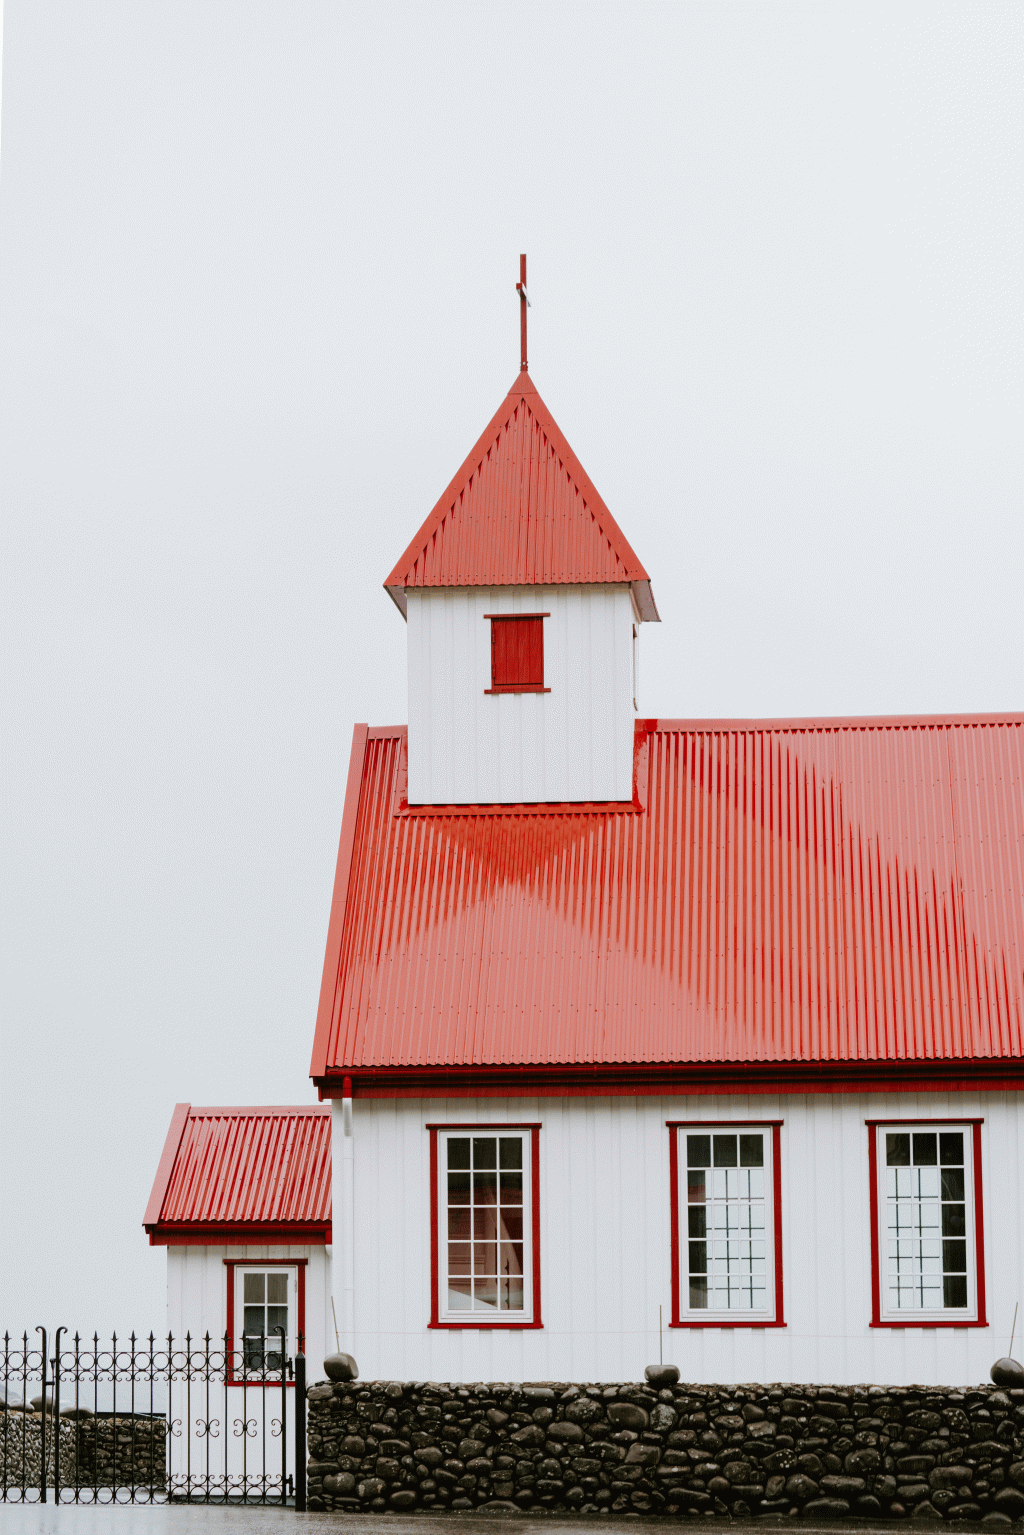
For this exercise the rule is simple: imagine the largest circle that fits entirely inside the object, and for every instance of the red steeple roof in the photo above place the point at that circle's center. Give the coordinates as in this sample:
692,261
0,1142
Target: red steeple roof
521,511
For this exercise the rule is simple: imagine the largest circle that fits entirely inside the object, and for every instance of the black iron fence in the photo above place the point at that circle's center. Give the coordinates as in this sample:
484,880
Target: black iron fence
152,1420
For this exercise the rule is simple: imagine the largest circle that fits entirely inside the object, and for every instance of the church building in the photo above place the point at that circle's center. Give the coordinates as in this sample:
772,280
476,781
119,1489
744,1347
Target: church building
644,1036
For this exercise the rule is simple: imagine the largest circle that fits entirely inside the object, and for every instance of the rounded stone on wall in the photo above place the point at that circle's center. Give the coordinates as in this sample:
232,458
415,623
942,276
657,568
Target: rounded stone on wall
1007,1373
662,1374
341,1367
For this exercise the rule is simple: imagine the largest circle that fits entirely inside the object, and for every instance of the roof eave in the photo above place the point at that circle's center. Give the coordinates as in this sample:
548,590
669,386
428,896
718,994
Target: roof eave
645,603
643,598
667,1078
238,1233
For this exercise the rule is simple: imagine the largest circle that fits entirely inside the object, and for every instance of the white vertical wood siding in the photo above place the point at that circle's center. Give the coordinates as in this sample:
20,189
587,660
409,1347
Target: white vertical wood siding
574,743
605,1245
197,1292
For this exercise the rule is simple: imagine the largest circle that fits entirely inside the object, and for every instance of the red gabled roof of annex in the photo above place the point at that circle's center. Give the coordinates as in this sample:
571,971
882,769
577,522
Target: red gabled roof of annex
521,511
821,901
243,1175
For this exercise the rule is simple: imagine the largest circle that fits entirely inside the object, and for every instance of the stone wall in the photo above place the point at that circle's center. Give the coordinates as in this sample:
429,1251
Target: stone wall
21,1436
94,1451
738,1451
122,1453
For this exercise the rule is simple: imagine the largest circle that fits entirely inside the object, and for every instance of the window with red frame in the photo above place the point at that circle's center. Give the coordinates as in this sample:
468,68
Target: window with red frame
517,653
726,1231
266,1299
928,1245
485,1258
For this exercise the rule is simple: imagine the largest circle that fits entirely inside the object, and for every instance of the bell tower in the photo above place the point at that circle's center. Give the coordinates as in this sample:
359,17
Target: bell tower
523,601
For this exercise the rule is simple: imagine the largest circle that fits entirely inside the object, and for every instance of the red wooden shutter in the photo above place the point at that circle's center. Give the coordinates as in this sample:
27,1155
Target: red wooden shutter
517,653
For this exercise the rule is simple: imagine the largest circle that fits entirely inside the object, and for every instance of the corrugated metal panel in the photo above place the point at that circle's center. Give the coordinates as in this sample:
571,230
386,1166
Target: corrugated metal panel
813,892
521,511
247,1166
605,1244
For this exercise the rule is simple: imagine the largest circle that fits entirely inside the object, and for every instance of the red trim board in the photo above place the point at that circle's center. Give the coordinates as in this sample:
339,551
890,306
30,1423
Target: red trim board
681,1079
176,1129
339,902
674,1126
188,1235
873,1126
480,1325
230,1264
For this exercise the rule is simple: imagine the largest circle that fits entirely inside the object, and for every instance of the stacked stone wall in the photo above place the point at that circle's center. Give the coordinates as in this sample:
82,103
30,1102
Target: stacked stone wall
122,1452
731,1451
21,1450
94,1451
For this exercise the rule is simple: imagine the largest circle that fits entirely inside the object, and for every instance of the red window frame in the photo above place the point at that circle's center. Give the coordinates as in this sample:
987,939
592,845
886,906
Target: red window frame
230,1264
479,1324
877,1320
533,680
775,1126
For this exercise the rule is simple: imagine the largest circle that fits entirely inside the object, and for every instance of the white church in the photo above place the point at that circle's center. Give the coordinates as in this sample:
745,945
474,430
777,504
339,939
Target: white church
695,1036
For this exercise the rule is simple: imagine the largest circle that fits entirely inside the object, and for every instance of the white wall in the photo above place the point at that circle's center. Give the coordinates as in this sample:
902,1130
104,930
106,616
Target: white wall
605,1245
197,1292
242,1442
574,743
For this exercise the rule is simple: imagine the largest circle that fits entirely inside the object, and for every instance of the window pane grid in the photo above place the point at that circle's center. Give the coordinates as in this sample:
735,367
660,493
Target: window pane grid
926,1220
264,1310
726,1209
485,1236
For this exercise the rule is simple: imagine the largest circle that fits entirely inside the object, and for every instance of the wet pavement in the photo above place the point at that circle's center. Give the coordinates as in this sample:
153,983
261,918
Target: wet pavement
214,1519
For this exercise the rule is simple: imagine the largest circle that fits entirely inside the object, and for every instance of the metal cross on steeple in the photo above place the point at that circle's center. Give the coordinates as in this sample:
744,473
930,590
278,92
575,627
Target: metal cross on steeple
524,305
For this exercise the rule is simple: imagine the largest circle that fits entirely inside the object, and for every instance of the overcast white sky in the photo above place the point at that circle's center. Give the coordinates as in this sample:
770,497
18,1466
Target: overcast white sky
257,267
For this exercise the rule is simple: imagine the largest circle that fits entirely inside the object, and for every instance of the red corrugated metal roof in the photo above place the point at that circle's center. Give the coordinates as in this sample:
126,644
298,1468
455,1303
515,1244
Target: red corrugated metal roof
788,892
234,1174
521,512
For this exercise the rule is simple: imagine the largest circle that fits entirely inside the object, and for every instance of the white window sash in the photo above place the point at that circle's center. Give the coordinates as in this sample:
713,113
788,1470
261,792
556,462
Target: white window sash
919,1314
717,1315
273,1340
490,1317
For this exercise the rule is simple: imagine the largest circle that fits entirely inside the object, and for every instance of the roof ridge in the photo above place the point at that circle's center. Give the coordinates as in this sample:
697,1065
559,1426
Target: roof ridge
269,1110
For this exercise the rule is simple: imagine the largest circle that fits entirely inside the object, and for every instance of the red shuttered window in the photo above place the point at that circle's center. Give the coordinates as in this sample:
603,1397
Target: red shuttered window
517,653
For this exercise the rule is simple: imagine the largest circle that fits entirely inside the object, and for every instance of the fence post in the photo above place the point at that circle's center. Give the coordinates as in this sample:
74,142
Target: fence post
300,1430
42,1424
284,1416
56,1415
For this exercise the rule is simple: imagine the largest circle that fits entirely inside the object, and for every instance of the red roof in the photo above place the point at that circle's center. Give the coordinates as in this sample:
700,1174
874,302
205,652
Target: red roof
815,902
521,512
241,1175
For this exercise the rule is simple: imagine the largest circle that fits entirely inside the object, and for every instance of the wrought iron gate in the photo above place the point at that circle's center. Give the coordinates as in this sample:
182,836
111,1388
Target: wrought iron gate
152,1420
